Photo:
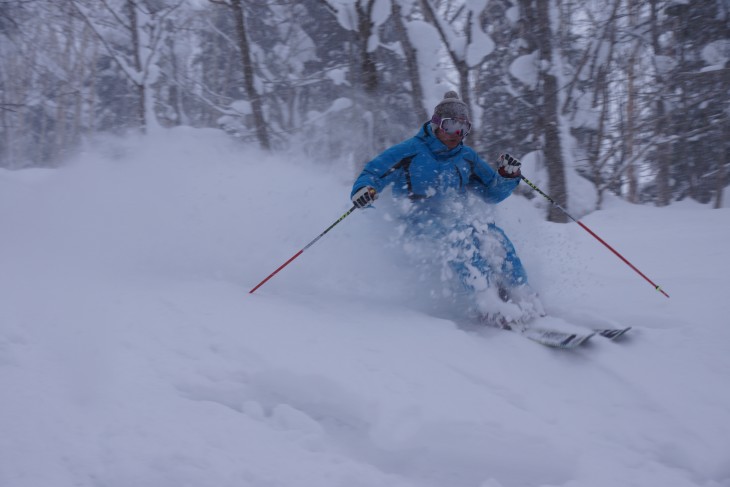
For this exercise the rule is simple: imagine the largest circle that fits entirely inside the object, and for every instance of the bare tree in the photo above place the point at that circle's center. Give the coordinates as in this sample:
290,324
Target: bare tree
631,102
42,59
539,33
460,29
409,51
141,25
248,74
358,19
663,193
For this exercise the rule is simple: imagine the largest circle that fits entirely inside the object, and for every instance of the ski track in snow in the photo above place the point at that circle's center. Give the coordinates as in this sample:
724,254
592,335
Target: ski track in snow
131,353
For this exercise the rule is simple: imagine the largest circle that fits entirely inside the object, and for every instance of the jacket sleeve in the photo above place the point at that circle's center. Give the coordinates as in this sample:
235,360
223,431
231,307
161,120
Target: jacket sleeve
488,184
385,168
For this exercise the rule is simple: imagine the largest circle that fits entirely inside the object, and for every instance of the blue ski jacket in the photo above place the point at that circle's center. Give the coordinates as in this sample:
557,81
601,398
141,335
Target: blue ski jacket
423,169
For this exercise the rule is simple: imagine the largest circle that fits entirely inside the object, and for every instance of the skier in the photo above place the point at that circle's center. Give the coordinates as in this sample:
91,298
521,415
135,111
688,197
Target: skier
434,178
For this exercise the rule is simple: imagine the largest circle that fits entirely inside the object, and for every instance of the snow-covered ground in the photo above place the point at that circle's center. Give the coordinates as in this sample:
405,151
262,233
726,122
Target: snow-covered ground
132,355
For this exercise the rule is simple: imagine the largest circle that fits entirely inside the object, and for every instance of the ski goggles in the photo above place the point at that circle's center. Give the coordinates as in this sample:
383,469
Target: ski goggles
455,126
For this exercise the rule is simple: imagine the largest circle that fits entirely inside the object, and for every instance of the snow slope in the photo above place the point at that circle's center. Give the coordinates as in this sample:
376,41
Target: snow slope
131,353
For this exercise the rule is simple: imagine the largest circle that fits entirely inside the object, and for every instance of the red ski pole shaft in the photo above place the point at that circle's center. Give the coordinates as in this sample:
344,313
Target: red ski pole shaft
584,227
302,251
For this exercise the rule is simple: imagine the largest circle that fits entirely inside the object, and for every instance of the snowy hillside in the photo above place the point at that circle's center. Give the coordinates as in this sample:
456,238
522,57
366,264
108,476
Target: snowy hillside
132,355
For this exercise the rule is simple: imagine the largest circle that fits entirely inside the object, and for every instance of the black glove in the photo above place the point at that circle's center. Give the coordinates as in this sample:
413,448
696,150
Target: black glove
364,196
509,167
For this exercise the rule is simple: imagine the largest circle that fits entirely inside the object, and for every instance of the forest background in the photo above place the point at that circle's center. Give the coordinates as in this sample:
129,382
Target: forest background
633,96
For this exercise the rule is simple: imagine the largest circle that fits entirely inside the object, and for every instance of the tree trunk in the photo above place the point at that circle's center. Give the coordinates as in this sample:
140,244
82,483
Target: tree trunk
663,196
462,68
720,178
632,195
248,76
5,116
411,63
175,99
136,50
550,114
368,68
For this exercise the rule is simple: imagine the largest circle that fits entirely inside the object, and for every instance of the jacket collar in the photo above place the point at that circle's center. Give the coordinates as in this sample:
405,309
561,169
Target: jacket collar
437,147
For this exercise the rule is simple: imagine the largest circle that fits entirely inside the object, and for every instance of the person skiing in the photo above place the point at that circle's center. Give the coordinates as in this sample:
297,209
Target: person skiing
434,177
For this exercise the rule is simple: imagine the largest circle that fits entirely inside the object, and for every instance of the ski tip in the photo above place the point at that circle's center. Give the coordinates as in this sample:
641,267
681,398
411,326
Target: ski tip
613,333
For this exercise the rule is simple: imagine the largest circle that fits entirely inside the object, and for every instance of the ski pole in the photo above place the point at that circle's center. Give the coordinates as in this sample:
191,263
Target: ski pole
556,205
302,251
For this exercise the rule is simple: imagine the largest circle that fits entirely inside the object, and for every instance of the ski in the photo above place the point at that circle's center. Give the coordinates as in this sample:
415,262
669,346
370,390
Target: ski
565,339
612,333
556,338
555,332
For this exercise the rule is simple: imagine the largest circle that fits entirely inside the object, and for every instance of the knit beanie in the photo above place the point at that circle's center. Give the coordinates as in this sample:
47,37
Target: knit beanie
450,107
